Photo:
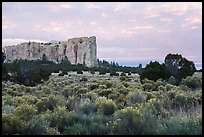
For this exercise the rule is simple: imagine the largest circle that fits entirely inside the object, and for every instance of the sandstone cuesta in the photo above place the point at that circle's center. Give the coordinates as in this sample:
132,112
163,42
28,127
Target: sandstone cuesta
80,50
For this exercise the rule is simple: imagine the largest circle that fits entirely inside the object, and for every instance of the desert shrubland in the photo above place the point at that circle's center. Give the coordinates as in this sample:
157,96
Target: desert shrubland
103,105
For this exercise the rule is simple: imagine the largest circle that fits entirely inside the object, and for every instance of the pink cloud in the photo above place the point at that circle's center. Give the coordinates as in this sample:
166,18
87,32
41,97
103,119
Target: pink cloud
121,6
168,20
56,6
164,30
7,24
130,31
91,5
55,26
192,22
181,8
151,12
93,22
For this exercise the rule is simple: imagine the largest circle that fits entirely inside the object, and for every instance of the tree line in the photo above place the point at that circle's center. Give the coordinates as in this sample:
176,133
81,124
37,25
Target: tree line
175,67
33,72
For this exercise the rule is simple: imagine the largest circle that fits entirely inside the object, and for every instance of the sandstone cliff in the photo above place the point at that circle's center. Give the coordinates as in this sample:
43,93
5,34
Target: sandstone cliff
78,50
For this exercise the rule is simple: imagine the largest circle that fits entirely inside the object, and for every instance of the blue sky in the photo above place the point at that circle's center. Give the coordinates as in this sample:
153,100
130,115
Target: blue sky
128,33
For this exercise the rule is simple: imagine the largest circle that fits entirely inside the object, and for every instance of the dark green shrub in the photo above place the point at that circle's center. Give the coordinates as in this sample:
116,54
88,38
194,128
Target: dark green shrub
60,118
105,92
108,84
6,125
148,86
93,86
126,84
102,72
125,78
91,95
155,105
136,97
52,131
113,73
12,124
172,80
181,126
25,112
122,74
192,82
79,72
102,86
76,129
55,71
86,106
65,73
92,72
60,74
184,101
72,103
106,106
97,124
83,79
47,103
132,121
122,78
150,95
82,90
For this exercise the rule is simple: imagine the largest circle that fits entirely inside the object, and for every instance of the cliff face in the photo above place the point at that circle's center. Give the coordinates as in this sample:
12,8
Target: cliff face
78,50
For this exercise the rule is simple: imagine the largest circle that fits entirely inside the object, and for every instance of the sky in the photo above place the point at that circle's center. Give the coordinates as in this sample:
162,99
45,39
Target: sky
129,33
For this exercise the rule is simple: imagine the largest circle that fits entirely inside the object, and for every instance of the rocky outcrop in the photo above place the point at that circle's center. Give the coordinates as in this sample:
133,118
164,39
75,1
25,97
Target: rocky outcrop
82,51
78,51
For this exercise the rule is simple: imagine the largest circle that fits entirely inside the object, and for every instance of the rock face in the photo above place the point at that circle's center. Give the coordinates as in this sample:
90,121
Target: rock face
78,51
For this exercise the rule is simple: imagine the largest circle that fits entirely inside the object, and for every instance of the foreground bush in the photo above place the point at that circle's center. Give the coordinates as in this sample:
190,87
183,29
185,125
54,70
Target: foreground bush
132,121
192,82
106,106
182,126
136,97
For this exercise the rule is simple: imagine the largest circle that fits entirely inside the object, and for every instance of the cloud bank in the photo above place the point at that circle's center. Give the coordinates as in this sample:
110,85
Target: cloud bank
126,32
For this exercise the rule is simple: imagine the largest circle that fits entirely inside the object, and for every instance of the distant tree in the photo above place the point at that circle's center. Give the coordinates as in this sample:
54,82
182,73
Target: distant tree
140,66
60,74
66,61
154,71
113,73
113,64
79,71
102,72
44,58
179,67
29,73
92,72
3,57
39,73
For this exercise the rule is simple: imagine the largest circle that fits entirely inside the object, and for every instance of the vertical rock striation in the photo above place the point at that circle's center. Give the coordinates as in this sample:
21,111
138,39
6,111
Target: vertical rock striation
78,51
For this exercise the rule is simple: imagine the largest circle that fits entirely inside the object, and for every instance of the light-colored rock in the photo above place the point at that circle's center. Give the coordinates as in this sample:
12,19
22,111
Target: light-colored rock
78,50
82,51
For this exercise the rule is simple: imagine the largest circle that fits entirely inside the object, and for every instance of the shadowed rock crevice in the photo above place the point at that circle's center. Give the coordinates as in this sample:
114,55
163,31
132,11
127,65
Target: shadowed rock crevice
75,53
84,59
